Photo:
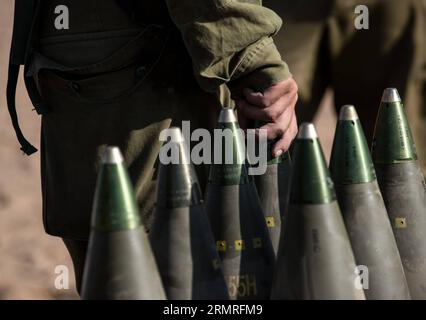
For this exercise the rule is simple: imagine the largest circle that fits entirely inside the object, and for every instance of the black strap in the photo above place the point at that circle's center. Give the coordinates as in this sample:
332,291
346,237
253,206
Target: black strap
12,81
22,24
24,19
35,97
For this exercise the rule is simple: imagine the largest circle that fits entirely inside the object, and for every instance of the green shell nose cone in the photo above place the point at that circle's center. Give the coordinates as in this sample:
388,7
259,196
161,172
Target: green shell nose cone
350,157
311,182
393,141
114,205
177,181
229,165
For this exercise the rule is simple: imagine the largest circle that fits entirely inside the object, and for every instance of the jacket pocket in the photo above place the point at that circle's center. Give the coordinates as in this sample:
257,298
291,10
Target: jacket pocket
105,88
110,79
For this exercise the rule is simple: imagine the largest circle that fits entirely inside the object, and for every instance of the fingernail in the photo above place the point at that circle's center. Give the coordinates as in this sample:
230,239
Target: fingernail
278,153
248,91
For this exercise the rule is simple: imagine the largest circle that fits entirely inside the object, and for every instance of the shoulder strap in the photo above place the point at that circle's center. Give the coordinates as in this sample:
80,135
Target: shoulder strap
24,19
12,80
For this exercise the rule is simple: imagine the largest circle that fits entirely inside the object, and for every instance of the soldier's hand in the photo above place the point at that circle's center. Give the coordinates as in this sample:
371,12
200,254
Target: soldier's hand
276,105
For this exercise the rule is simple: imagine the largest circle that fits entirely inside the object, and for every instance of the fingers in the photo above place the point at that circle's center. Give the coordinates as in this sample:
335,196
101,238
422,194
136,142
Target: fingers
276,106
272,94
284,143
244,122
271,113
249,111
278,128
284,131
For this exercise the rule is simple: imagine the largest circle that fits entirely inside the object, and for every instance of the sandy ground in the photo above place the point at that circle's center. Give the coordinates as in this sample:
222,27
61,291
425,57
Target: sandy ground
28,257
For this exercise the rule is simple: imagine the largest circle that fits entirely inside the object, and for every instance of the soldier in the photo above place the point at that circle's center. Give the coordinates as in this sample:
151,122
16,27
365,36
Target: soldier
325,49
117,72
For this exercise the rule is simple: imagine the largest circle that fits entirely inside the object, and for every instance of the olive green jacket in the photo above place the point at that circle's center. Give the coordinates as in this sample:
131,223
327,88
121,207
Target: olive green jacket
139,89
229,40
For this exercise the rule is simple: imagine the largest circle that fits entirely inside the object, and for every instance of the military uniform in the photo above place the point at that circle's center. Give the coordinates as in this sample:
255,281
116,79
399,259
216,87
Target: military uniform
117,78
324,49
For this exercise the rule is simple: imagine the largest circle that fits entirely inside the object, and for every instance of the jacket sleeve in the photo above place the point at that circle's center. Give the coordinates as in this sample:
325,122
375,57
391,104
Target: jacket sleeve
230,41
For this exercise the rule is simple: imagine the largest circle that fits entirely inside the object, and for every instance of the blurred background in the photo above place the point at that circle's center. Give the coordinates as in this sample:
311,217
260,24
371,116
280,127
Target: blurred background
28,257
